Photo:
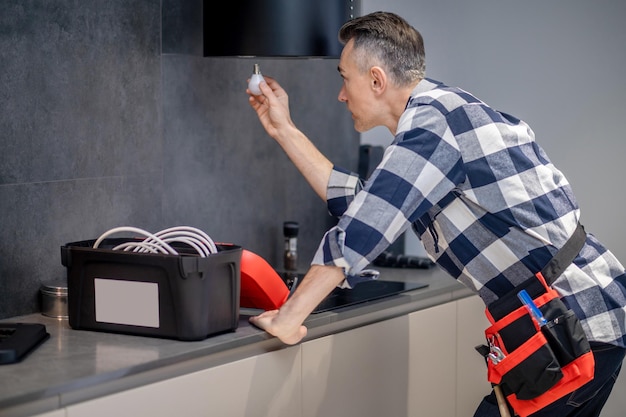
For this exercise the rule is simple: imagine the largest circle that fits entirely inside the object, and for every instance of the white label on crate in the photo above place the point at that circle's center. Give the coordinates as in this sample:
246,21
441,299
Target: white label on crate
127,302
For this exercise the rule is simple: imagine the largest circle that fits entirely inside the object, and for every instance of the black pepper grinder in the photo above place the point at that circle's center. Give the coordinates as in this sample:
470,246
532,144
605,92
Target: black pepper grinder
290,231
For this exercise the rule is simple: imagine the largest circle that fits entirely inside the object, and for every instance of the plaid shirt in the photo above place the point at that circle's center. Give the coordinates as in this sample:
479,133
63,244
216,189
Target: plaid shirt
489,206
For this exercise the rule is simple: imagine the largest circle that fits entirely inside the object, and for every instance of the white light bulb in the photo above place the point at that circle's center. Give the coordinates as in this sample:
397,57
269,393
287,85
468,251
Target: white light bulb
255,79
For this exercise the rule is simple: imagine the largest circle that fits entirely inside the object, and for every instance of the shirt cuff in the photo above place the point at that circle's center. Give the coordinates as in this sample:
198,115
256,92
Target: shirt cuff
332,252
342,187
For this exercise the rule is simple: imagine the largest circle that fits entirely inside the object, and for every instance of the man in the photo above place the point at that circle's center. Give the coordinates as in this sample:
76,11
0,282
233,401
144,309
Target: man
489,206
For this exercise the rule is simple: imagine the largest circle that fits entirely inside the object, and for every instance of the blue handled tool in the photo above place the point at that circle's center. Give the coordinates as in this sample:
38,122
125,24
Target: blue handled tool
532,307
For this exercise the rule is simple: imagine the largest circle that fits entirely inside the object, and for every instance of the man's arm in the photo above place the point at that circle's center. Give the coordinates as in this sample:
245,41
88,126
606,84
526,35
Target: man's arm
272,108
286,322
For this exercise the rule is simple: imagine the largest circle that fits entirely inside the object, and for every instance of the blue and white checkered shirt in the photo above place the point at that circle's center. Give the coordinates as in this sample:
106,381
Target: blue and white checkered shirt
489,206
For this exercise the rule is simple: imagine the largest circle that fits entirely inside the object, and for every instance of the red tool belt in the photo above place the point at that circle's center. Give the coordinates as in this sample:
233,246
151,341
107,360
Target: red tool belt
537,361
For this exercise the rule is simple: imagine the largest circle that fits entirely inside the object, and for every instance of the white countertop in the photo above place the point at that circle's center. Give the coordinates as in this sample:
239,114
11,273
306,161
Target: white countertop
78,365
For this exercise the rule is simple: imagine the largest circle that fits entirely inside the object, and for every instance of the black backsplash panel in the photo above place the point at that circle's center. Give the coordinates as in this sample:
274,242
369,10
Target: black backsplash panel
99,129
224,174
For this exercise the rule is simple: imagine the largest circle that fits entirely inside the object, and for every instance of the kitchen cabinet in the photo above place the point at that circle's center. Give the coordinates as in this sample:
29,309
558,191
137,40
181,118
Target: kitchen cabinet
421,364
418,364
263,385
471,371
447,376
357,373
432,364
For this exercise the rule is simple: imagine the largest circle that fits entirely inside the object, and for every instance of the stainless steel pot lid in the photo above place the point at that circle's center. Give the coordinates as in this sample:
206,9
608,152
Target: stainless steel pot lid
57,288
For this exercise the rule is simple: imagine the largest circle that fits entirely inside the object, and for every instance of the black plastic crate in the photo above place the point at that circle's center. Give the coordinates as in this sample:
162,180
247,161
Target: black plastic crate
185,296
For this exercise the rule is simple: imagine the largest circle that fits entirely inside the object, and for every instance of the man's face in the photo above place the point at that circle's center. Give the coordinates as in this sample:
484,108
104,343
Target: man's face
356,91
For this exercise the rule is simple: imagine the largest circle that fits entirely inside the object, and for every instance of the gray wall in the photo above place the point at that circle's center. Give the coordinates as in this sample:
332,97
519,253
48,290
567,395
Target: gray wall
559,65
99,129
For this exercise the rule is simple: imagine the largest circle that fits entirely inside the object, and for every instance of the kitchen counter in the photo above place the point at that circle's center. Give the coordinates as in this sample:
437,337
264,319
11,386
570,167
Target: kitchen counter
77,365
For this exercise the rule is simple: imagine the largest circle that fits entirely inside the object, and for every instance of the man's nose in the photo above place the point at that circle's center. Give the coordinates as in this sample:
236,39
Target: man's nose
342,95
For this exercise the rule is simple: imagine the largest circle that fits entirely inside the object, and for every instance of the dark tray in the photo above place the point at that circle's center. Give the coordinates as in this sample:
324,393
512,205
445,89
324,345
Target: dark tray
17,340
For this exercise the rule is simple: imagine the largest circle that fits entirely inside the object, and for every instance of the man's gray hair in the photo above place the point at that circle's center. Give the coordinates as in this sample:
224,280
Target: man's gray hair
387,40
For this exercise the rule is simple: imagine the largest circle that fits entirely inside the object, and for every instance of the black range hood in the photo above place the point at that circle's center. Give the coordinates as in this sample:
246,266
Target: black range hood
258,28
276,28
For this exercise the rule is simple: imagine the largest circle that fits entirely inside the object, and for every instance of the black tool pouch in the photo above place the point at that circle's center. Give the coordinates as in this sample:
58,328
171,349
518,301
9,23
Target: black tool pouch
535,363
532,360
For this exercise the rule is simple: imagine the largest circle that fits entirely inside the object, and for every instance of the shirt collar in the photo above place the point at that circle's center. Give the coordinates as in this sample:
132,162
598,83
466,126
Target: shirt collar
425,85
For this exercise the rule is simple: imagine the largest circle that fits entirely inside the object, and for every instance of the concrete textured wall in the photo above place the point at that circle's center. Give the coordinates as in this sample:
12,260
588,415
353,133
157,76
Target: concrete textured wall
99,128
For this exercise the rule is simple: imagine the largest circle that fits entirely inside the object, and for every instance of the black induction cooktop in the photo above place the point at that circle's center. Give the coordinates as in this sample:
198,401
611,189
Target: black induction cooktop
363,292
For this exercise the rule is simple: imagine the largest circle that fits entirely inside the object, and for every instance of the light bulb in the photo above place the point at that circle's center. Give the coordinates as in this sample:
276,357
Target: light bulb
255,79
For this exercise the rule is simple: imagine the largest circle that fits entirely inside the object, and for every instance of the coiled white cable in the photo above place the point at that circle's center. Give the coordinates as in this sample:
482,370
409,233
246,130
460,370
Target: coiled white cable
160,242
147,247
197,233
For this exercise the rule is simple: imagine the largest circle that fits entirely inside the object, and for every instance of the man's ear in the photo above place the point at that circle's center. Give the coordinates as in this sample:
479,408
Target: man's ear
378,79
